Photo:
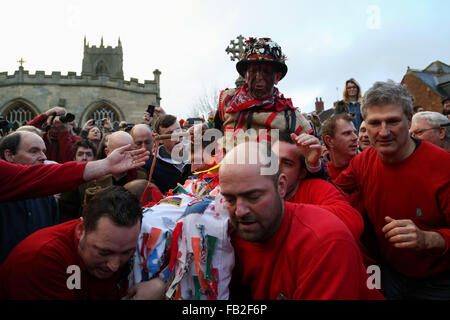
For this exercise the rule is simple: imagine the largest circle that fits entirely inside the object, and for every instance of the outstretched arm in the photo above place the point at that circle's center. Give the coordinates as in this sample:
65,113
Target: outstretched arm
120,160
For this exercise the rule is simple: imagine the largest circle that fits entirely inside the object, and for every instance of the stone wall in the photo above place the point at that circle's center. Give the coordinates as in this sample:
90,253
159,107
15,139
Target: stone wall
81,94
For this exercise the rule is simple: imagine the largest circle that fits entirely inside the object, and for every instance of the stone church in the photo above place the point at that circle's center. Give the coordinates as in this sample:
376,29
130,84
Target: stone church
99,92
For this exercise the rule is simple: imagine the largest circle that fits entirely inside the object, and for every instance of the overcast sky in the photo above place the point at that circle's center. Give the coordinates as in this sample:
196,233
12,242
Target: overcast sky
326,42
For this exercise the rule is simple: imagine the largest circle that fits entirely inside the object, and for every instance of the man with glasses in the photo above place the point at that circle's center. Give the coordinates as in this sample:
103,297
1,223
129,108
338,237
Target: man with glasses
432,127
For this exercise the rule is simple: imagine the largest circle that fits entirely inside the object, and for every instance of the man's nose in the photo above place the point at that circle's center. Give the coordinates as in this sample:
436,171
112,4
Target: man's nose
42,156
241,208
384,131
113,263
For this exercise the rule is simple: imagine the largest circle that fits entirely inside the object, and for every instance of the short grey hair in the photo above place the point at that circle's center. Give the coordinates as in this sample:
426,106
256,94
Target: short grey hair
435,120
384,93
31,129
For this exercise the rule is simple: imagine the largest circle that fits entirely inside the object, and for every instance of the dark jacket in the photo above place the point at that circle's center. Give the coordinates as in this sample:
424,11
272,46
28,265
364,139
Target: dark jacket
19,219
166,175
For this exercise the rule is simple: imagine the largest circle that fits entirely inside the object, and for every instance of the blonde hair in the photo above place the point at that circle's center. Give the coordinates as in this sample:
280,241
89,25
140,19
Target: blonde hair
345,94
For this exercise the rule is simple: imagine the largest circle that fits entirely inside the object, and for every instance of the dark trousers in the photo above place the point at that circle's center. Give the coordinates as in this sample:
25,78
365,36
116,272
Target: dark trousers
396,286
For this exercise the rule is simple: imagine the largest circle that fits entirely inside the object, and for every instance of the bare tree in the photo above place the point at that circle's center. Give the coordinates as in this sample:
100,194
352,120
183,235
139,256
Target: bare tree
205,103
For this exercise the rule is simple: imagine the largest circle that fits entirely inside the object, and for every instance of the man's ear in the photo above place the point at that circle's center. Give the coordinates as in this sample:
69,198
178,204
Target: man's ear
282,185
9,156
278,76
442,133
79,229
328,140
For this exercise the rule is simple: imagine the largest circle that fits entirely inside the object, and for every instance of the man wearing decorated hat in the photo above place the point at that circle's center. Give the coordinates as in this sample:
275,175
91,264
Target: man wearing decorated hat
258,104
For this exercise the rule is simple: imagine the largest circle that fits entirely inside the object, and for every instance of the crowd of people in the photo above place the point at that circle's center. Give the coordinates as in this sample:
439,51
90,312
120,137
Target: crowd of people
367,187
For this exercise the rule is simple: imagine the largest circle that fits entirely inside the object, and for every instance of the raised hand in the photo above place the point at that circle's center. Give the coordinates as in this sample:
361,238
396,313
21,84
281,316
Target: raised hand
309,146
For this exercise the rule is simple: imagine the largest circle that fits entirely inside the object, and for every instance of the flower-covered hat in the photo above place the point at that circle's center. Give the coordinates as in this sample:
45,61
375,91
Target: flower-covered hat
262,50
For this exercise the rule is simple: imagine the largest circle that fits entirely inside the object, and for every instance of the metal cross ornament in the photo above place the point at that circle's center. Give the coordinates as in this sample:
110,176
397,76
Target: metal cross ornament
21,61
235,49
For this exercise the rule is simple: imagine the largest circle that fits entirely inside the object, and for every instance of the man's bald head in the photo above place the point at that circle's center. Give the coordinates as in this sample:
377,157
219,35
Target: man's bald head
118,139
252,153
253,199
142,136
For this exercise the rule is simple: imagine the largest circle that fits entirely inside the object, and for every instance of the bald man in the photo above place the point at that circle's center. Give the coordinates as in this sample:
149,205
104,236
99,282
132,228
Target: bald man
285,250
142,136
116,140
72,202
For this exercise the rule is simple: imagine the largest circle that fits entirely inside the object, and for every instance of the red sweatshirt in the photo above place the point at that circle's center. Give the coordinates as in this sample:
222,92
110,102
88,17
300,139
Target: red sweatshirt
60,151
327,196
416,188
311,256
37,269
23,182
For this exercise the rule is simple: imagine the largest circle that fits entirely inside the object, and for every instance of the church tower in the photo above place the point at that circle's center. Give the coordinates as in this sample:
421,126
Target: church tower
103,61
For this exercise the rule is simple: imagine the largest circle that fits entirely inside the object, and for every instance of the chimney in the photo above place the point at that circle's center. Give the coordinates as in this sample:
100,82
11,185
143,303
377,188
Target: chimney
319,105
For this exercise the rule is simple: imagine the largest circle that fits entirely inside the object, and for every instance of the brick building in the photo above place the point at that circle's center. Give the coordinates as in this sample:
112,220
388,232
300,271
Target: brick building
429,86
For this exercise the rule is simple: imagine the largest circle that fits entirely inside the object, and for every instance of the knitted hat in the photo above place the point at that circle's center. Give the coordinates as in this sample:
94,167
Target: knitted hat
262,50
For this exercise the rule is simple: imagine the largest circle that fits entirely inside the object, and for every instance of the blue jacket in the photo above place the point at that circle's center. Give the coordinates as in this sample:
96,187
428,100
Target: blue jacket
19,219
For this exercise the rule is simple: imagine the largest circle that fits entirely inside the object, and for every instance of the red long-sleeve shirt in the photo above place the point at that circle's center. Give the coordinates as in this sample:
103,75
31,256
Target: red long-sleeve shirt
38,268
327,196
23,182
311,256
61,150
416,188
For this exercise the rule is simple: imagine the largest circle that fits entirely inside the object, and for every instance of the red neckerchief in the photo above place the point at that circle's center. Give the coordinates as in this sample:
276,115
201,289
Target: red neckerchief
242,100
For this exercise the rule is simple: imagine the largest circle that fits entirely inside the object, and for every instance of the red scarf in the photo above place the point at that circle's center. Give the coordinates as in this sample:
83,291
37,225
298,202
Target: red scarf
242,101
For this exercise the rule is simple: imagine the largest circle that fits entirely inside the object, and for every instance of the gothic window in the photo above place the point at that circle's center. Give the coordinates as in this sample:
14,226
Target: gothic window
105,111
19,114
101,68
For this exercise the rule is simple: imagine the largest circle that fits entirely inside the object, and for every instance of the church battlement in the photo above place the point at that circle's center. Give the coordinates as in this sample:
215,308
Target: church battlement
23,77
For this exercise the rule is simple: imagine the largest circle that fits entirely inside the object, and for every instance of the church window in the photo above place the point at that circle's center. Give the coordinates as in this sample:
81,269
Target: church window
19,114
105,111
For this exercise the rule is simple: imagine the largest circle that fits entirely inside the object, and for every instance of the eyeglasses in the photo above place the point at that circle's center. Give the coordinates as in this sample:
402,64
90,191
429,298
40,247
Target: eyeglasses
352,88
420,132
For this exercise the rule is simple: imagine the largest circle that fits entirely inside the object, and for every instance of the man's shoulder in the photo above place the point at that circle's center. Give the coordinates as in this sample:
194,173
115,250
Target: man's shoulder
315,183
427,147
366,157
225,96
317,224
52,241
228,92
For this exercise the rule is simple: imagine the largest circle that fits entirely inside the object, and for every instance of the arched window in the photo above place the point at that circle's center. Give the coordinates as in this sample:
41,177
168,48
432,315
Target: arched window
19,114
101,68
105,111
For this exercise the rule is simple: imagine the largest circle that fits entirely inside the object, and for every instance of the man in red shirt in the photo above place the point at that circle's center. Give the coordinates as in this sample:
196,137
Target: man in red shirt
339,136
19,182
57,136
313,191
81,259
405,183
285,250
